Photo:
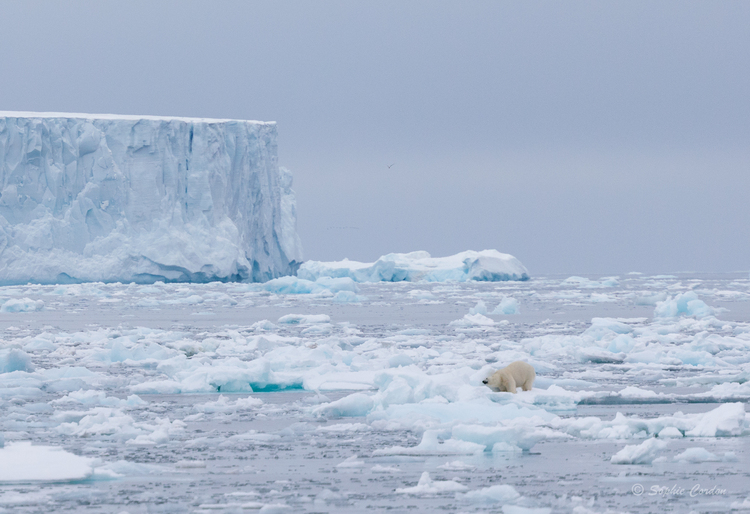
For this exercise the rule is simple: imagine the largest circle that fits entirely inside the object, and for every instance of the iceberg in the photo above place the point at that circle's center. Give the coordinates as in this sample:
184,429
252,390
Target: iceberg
142,199
487,265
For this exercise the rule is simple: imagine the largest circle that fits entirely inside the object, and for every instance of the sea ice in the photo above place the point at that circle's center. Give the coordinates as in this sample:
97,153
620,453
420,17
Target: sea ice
487,265
22,305
684,304
507,305
142,198
644,453
23,462
428,486
404,386
697,455
493,494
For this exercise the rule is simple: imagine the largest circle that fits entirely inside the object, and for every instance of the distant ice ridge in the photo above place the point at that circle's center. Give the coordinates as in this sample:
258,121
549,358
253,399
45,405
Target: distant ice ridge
142,198
487,265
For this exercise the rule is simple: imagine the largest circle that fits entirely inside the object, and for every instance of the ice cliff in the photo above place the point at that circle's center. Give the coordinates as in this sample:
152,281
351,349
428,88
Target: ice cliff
142,198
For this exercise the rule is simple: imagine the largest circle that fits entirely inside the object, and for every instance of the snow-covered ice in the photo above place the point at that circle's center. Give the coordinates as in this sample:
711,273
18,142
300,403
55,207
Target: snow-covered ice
141,198
236,397
487,265
22,463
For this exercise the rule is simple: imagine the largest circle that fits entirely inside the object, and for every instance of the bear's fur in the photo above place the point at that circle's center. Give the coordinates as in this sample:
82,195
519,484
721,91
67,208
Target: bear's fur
516,374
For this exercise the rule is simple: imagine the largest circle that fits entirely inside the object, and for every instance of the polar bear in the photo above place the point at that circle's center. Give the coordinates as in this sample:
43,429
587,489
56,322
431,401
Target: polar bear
513,375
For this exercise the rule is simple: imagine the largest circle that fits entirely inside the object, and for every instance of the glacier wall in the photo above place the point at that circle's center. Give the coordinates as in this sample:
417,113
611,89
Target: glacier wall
142,198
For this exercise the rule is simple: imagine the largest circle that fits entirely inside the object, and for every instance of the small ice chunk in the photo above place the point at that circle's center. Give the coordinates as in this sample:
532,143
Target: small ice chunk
686,304
643,453
517,509
348,297
272,508
304,319
473,320
479,308
495,494
22,305
384,469
351,462
507,305
428,486
357,404
669,432
190,464
696,455
14,359
457,465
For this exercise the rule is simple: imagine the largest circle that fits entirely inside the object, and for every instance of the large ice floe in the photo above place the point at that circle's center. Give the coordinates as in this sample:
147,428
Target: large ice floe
141,198
487,265
276,396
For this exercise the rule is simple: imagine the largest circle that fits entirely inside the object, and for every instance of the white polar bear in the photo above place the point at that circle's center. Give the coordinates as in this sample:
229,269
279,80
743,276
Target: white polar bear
513,375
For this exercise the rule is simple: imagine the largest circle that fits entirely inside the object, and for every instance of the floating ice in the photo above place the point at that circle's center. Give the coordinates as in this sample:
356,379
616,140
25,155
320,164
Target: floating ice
507,305
473,320
583,282
351,463
142,198
487,265
479,308
517,509
457,465
727,420
14,359
296,285
348,297
269,508
22,305
697,455
493,494
22,462
304,319
644,453
687,304
669,432
356,404
428,486
384,469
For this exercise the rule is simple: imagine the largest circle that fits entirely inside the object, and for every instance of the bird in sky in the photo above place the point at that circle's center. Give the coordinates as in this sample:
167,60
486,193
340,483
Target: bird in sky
389,166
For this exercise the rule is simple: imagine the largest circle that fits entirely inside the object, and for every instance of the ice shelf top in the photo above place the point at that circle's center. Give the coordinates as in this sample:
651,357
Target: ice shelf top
130,117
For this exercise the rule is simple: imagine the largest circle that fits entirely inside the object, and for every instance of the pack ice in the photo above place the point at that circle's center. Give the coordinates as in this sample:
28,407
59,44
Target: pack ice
487,265
142,198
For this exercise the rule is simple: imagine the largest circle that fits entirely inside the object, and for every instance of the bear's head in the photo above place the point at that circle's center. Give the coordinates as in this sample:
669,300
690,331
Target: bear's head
496,381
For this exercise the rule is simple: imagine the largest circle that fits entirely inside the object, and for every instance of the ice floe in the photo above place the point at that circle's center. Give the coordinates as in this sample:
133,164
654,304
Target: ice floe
487,265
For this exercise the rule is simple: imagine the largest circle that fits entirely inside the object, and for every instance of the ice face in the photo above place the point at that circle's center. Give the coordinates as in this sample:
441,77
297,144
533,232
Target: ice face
127,198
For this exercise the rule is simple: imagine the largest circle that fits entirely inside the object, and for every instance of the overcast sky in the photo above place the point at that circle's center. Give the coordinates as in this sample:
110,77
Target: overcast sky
581,137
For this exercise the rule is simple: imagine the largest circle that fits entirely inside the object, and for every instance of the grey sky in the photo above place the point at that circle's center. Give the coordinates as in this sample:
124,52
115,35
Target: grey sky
598,137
